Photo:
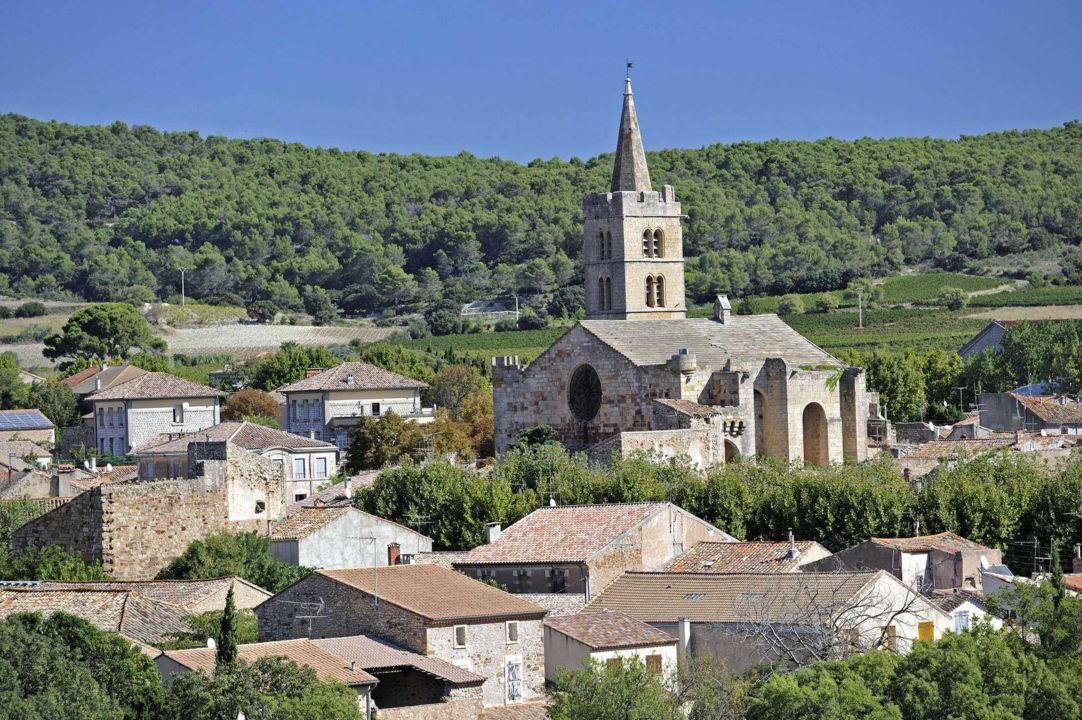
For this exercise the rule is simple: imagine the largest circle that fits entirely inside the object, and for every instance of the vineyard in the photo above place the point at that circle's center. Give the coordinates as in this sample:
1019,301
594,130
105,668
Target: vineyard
246,341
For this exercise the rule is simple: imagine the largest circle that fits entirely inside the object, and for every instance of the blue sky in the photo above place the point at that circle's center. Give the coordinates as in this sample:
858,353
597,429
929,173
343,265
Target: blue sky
541,79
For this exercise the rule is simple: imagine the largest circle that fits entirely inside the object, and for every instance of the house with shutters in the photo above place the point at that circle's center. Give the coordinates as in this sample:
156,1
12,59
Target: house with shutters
425,609
134,412
308,464
580,549
325,404
604,637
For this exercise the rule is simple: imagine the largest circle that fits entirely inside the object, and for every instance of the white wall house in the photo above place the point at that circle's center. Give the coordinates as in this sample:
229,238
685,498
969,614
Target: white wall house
144,408
308,464
326,404
340,536
602,637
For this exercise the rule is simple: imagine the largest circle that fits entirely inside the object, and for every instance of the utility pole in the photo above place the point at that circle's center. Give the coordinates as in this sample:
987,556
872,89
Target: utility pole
182,286
961,400
860,308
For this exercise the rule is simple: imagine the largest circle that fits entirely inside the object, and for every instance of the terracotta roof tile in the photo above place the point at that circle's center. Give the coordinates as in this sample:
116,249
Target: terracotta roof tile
562,534
155,385
435,593
107,378
517,711
742,557
301,651
186,594
303,521
128,613
20,449
365,377
610,630
942,449
375,654
950,600
944,541
737,598
72,381
248,435
1052,409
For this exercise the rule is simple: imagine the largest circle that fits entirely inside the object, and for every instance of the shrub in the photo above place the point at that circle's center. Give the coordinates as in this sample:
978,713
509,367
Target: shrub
953,298
826,303
791,305
31,309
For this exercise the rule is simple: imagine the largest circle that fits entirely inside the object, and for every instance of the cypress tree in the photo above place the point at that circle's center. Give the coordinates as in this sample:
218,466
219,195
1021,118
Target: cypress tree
227,635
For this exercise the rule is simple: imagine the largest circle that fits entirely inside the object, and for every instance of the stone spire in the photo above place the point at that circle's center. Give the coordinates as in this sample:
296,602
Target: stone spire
630,171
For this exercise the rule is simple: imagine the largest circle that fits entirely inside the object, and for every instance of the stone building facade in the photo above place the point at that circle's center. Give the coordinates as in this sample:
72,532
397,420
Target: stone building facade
425,609
744,385
136,528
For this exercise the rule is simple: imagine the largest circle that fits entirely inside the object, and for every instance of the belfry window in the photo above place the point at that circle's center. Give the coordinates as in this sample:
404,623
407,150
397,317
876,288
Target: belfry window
647,242
608,245
650,291
600,244
608,293
601,293
659,291
658,238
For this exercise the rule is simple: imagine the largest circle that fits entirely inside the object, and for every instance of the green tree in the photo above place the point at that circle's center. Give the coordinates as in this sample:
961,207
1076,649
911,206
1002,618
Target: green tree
620,690
288,365
453,385
244,555
953,298
826,303
899,380
791,305
250,403
387,440
49,563
227,637
14,393
56,401
319,303
102,332
31,309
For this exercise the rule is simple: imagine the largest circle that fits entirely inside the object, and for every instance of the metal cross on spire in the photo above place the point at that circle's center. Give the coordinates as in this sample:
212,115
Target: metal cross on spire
627,75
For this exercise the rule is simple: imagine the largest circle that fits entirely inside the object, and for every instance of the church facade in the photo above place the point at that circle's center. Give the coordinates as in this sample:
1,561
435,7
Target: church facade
638,374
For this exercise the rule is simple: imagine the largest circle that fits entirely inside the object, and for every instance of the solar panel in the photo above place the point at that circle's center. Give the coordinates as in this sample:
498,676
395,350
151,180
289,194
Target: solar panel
23,420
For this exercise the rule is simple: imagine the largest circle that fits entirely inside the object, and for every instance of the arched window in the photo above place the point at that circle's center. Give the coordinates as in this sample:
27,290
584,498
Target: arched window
659,291
601,293
646,242
658,238
600,244
608,293
649,291
608,245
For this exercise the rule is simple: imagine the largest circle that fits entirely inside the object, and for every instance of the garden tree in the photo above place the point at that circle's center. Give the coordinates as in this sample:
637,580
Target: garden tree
209,625
151,363
268,688
63,668
623,689
1034,352
404,361
13,515
791,305
56,401
250,403
953,298
942,374
1045,610
530,319
567,302
288,365
226,653
898,379
865,291
452,385
387,440
223,554
444,318
319,303
13,391
826,303
538,435
49,563
106,331
826,691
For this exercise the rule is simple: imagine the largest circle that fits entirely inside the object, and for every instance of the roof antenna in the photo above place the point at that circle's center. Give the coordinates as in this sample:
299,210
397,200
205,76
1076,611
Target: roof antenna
627,74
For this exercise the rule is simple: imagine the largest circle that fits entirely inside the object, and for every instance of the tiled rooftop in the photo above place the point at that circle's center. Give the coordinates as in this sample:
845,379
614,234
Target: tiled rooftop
741,557
944,541
435,593
302,651
375,654
609,630
185,594
565,533
1052,409
248,435
156,385
364,377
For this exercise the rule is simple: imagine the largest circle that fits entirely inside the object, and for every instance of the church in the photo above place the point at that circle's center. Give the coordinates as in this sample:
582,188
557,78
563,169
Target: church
638,374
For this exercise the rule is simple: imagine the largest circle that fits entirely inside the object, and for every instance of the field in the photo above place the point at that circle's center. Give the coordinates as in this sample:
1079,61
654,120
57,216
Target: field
246,341
1041,312
894,329
527,344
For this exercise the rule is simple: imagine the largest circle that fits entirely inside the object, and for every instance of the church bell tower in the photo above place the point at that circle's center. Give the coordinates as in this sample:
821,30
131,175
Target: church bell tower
633,243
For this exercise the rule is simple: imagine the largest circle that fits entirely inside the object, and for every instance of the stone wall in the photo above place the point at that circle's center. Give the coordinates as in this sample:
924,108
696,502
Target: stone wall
75,527
456,710
487,652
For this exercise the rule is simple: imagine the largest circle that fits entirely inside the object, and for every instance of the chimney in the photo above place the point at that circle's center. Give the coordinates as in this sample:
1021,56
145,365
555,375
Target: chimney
794,553
683,645
552,501
722,309
350,380
311,434
93,463
97,383
211,644
492,532
1076,563
312,372
347,487
353,666
394,554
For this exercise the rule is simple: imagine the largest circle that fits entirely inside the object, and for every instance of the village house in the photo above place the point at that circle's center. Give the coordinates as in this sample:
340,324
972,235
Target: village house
1044,414
638,374
100,377
307,463
965,607
25,450
748,557
411,686
603,637
145,622
139,410
303,652
747,620
192,596
326,404
425,609
943,561
341,536
136,528
27,426
580,549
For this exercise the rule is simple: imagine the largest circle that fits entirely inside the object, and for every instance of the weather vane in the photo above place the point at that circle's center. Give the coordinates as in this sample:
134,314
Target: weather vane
628,73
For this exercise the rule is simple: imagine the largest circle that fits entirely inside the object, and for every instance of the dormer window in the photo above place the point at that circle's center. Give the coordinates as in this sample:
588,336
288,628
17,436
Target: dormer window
350,380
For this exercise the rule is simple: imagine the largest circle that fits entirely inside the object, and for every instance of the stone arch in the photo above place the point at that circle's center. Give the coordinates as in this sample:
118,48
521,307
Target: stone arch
659,291
760,423
608,293
584,393
816,443
649,291
732,452
601,293
600,244
659,244
608,245
647,241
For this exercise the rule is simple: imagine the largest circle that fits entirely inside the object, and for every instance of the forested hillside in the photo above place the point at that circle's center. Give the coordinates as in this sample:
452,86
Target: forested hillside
112,213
